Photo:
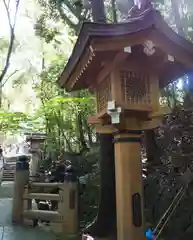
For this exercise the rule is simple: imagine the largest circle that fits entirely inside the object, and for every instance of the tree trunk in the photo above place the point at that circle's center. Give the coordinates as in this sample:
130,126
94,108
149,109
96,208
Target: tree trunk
98,11
151,146
114,11
105,223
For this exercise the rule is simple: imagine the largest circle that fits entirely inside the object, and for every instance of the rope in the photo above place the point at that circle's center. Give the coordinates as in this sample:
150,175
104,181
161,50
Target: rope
169,213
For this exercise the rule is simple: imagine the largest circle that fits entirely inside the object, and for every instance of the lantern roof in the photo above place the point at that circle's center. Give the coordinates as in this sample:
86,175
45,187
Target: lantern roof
99,43
35,136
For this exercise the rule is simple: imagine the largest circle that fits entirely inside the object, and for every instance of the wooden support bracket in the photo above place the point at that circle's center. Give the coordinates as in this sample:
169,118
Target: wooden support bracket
162,111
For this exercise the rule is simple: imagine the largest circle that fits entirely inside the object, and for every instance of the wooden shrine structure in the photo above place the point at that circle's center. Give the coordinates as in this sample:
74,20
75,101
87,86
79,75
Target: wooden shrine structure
125,65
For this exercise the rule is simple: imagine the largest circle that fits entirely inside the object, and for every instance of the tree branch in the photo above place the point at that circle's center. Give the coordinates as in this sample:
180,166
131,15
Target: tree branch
11,75
12,37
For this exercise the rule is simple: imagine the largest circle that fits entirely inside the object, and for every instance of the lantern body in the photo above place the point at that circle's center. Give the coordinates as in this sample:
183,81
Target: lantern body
133,88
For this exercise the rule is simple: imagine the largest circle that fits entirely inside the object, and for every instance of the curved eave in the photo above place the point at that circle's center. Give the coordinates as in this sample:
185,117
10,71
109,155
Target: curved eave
151,20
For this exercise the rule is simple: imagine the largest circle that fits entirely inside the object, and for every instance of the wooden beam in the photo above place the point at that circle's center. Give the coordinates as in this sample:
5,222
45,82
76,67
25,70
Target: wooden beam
147,125
80,68
118,43
120,57
94,120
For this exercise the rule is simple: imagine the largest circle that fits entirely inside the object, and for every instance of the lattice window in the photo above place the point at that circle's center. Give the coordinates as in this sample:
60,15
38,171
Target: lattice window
104,93
135,87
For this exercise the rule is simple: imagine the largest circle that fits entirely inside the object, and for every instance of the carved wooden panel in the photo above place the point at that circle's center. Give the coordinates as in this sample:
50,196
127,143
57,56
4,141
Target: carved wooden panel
104,93
135,87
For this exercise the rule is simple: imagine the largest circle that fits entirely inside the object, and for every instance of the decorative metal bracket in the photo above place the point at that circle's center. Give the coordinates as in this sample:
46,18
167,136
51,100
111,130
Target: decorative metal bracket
114,112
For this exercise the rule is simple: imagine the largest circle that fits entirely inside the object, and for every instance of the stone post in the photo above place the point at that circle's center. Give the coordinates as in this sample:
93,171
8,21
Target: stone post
68,206
21,179
36,143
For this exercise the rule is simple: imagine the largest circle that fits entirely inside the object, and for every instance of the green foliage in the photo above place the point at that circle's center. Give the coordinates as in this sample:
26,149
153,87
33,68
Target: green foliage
64,10
4,44
10,122
41,29
64,116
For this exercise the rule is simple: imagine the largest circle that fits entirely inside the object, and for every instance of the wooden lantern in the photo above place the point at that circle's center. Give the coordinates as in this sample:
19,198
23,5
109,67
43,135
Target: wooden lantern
125,65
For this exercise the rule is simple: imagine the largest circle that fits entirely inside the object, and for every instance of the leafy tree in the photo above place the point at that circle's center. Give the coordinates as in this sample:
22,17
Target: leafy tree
11,122
64,115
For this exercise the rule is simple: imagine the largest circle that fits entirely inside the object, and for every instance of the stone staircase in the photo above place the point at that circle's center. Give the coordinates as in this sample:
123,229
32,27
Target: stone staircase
9,170
8,176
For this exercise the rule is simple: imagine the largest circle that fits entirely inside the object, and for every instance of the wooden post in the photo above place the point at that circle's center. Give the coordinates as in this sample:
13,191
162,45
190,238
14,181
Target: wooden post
21,179
68,208
129,186
27,202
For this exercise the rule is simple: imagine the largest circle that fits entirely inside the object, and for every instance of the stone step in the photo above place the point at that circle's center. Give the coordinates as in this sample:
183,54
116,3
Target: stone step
7,180
8,171
10,163
8,177
8,174
3,178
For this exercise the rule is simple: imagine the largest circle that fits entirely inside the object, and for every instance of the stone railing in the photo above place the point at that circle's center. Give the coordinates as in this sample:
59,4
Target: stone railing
63,218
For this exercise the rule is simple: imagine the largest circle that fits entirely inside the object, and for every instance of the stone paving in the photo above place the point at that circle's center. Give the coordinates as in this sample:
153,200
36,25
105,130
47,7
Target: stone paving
9,232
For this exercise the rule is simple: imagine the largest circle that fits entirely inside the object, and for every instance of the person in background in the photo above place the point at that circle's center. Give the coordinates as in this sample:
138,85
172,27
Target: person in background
60,172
